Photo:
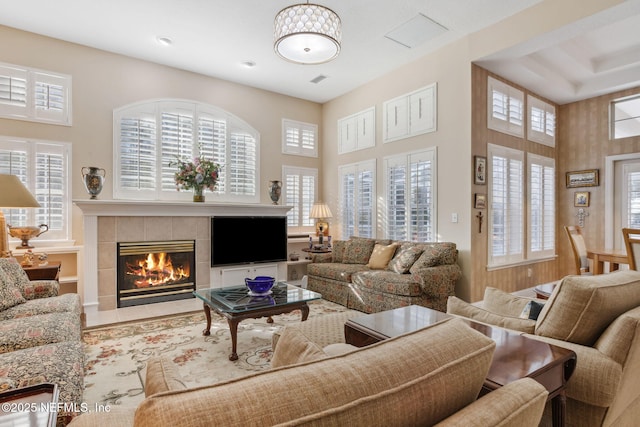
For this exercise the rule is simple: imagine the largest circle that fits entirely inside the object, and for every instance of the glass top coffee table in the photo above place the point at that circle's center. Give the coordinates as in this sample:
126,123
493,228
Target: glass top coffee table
235,304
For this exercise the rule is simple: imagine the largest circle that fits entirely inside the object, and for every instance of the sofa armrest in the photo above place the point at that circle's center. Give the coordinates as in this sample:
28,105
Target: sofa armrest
439,281
518,404
116,417
41,289
162,375
596,377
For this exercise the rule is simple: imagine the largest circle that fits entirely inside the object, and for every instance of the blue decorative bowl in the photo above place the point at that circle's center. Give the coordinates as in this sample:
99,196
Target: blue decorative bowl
261,285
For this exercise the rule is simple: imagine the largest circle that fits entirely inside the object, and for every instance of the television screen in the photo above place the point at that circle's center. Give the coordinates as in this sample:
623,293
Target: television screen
248,239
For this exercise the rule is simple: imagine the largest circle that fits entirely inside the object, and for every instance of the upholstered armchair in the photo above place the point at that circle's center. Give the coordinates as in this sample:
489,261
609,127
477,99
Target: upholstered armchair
598,317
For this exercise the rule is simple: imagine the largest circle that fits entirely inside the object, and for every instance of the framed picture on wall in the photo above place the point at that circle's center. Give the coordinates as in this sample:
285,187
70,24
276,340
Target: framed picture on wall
480,169
480,201
581,199
586,178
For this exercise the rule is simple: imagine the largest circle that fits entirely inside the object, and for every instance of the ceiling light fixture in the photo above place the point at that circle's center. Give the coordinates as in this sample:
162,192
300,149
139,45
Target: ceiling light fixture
307,34
164,41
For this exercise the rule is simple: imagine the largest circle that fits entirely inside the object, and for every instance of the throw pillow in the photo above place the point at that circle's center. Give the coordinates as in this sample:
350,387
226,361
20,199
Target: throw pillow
17,276
462,308
404,258
358,250
294,347
503,303
381,256
582,307
430,257
531,310
10,294
337,250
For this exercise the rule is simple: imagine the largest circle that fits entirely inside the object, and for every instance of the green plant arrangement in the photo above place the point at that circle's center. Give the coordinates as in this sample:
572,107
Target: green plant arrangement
199,174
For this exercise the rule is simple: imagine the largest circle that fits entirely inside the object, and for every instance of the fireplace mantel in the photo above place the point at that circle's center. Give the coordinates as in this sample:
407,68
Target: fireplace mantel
161,208
94,209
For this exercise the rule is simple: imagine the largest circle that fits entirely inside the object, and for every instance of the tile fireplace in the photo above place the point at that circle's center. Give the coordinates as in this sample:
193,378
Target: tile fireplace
158,271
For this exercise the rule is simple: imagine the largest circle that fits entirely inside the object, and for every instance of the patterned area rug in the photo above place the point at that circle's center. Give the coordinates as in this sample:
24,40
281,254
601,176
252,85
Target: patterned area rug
116,356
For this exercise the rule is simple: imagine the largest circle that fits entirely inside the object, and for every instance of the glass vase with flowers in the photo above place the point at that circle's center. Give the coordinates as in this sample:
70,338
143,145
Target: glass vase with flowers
199,174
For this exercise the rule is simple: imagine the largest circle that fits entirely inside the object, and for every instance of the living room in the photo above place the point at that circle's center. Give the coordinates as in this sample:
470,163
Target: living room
104,83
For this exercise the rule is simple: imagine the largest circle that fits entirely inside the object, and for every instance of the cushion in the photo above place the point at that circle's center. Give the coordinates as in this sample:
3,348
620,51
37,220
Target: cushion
404,258
582,307
462,308
338,250
381,256
17,276
162,375
10,294
500,302
295,347
358,250
338,349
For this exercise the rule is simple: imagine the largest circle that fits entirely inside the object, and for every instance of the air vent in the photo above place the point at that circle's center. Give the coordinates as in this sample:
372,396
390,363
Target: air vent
416,31
318,79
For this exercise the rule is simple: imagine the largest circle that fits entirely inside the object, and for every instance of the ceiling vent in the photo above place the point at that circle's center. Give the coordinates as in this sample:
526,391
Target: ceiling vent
318,79
416,31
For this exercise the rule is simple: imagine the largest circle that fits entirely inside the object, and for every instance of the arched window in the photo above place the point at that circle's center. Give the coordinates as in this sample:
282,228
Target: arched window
151,135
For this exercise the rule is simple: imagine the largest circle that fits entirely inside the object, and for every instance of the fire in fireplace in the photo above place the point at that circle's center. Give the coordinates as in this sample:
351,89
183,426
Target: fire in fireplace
150,272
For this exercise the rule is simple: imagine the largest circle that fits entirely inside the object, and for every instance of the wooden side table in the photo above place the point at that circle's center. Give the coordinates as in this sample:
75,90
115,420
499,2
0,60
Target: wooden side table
49,271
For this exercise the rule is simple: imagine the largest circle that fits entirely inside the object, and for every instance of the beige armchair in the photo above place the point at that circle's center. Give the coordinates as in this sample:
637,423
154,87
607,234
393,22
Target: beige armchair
598,317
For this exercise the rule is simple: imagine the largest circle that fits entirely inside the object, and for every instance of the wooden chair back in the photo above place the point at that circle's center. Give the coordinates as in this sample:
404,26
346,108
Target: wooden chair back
632,243
574,232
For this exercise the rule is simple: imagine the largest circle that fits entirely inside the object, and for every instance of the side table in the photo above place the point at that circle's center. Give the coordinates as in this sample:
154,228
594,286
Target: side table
49,271
324,250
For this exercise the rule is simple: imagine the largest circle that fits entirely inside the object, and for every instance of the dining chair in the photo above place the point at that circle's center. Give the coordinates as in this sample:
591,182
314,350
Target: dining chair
574,232
632,243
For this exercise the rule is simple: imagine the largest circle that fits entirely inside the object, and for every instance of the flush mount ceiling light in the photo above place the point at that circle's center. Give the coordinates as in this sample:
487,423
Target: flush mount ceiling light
307,34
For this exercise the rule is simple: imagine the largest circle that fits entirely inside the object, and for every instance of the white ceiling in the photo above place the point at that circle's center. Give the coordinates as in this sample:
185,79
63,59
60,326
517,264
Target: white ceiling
215,37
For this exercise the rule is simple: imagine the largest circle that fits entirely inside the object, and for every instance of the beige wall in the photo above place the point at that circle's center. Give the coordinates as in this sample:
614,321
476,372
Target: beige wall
103,81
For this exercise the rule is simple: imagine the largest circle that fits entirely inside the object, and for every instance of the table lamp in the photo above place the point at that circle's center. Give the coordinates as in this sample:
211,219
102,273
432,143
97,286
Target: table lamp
320,211
13,194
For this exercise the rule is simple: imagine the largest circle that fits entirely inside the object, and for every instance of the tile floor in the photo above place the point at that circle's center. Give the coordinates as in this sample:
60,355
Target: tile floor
147,311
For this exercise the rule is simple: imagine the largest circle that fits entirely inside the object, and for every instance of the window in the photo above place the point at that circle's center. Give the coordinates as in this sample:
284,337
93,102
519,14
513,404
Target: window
357,198
299,138
625,117
150,136
30,94
506,203
542,122
43,168
410,191
542,212
300,189
506,108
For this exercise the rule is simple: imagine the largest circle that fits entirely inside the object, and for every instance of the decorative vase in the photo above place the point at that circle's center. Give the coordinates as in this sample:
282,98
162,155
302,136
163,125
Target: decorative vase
275,190
197,195
93,179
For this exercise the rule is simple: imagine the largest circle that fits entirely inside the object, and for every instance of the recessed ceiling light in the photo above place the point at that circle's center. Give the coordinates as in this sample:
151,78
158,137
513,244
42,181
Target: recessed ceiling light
164,41
249,64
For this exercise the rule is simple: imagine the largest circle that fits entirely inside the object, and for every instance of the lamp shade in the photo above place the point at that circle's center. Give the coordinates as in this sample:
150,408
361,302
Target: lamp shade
14,194
319,211
307,34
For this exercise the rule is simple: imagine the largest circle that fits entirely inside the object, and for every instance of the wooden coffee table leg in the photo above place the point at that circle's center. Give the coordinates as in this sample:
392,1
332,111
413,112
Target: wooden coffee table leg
305,312
233,328
207,314
558,407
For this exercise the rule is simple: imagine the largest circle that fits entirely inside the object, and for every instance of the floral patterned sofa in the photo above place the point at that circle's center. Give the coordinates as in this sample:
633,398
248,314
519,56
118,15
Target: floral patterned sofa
372,275
40,336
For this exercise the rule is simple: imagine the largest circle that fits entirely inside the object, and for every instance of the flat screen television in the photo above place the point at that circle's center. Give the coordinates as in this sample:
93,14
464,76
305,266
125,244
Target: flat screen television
248,239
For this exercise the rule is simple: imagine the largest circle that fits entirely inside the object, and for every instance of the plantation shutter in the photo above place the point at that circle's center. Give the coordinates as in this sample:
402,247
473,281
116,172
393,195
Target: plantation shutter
542,234
397,201
347,213
421,200
300,192
177,136
299,138
357,196
506,205
506,107
212,141
366,199
631,195
42,167
137,151
242,164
